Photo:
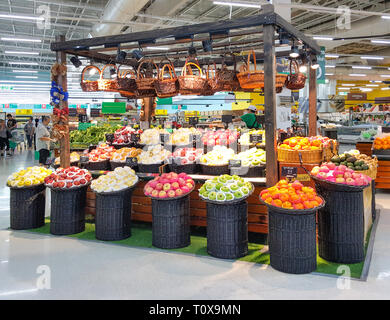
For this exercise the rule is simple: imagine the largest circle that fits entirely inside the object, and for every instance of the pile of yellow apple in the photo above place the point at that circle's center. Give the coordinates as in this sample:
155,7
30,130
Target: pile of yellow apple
31,176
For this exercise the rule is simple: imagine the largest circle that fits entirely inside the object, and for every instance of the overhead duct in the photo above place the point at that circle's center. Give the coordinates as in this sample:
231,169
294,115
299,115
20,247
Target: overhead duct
117,10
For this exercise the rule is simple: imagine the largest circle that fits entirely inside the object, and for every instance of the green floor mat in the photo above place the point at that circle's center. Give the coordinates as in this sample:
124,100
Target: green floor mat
142,237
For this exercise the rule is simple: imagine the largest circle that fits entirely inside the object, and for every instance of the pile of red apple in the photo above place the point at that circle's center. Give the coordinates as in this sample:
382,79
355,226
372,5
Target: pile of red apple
123,135
68,178
169,185
183,156
102,153
220,137
341,174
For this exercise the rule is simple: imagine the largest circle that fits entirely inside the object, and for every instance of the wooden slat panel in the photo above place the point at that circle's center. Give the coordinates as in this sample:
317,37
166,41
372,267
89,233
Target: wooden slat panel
257,218
197,204
141,217
383,163
91,203
384,180
142,200
257,208
198,212
142,208
383,169
382,185
89,210
91,195
259,228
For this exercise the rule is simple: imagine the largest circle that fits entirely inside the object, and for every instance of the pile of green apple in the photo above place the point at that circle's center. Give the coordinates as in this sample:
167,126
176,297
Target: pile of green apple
251,158
225,188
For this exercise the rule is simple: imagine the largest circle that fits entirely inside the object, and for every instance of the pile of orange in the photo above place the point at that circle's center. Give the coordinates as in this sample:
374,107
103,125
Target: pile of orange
301,143
292,196
382,143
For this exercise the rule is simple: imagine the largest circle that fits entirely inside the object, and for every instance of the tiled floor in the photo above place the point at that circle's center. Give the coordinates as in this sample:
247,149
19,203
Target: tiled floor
88,270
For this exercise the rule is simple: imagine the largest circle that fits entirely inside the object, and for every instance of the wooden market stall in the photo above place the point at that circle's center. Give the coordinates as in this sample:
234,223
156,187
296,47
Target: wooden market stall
264,29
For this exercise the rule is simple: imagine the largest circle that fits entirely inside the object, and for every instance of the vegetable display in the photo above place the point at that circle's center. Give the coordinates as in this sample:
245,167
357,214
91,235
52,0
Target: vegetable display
68,178
169,185
292,196
119,179
31,176
350,161
225,188
93,135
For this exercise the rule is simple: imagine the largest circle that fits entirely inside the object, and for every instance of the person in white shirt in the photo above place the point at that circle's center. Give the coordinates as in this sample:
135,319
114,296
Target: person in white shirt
43,140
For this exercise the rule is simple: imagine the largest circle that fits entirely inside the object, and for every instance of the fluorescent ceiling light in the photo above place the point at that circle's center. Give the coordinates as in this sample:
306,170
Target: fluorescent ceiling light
386,17
330,66
343,88
238,4
157,48
24,63
17,81
330,55
13,16
371,58
25,71
357,75
20,39
385,75
27,77
322,38
329,74
381,41
365,89
372,85
348,85
385,89
21,52
361,67
378,81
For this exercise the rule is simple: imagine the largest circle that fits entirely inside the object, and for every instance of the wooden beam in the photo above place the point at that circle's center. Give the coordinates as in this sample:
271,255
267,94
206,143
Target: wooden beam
312,102
63,82
270,105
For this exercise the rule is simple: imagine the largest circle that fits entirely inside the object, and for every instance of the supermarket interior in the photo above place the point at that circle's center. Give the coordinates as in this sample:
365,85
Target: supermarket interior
194,149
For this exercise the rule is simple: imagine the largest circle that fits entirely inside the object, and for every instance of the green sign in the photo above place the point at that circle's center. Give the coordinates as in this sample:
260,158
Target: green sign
6,88
162,101
113,107
321,70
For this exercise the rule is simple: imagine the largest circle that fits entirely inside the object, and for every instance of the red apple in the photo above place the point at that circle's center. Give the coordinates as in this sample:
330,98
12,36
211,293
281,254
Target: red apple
322,175
340,180
175,185
159,186
178,192
171,194
167,187
154,193
162,194
189,185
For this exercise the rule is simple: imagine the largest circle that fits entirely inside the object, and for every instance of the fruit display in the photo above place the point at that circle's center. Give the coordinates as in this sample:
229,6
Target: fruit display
74,157
68,178
305,143
350,161
382,143
102,153
245,138
117,180
182,136
169,185
154,155
371,162
31,176
220,137
183,156
251,158
123,135
152,136
340,174
225,188
293,196
123,153
219,156
93,135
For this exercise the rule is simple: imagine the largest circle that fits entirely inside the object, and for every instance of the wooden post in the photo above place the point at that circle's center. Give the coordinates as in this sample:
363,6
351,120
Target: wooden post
148,108
312,102
270,101
63,82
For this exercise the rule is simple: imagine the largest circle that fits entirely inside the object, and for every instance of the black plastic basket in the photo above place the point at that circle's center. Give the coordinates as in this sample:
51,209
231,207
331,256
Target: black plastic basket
253,172
113,215
341,225
332,186
192,168
115,165
123,145
149,168
72,164
99,165
68,210
214,170
227,229
292,239
171,222
27,207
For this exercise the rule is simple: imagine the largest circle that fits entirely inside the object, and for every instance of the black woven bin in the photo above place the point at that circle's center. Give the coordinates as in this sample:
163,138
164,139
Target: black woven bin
227,229
123,145
99,165
149,168
253,172
292,240
113,215
373,203
171,222
27,207
68,210
186,168
214,170
341,226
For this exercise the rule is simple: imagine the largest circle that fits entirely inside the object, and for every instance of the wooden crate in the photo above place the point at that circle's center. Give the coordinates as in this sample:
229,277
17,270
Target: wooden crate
364,148
142,209
302,176
382,180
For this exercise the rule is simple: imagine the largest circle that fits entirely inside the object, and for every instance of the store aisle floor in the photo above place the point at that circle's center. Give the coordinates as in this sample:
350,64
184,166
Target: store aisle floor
88,270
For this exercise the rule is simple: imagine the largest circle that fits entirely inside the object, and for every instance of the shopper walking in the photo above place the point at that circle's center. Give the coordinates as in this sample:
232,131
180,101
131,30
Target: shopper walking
35,138
29,129
5,134
43,140
11,122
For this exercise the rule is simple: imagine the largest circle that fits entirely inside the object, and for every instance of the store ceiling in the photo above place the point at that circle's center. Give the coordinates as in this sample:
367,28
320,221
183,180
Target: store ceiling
82,18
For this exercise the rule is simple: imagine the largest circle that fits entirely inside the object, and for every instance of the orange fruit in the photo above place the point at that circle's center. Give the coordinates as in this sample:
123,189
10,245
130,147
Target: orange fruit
308,205
275,196
287,205
318,199
299,206
311,196
284,197
277,203
314,203
268,200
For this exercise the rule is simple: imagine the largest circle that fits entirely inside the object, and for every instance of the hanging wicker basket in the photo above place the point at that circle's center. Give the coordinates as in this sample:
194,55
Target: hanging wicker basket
88,85
189,83
251,79
296,80
146,78
126,81
167,87
292,156
108,85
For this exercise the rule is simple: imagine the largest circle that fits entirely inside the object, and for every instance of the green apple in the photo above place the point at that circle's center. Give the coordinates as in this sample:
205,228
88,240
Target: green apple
218,186
240,184
233,187
202,189
222,180
244,191
229,196
235,177
238,195
221,196
209,186
225,189
205,194
212,195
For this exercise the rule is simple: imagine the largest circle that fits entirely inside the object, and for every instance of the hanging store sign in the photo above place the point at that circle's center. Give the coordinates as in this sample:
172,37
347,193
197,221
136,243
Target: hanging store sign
357,96
113,107
24,112
321,70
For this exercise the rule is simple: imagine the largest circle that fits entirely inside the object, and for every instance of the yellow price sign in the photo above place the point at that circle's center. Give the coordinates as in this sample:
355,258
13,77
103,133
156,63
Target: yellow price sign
24,112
